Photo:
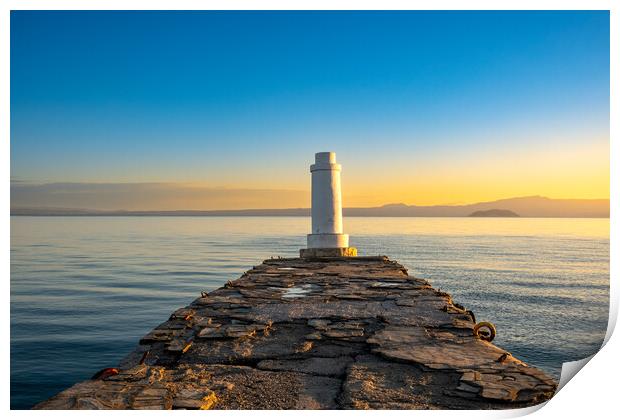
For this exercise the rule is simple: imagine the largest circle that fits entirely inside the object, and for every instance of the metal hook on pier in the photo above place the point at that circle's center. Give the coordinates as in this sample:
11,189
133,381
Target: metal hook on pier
471,314
485,331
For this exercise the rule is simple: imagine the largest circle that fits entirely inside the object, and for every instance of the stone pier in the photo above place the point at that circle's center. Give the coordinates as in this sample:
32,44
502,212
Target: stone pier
318,333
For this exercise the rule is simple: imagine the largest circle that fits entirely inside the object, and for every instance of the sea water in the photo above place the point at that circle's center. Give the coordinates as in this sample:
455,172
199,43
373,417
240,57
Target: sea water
85,289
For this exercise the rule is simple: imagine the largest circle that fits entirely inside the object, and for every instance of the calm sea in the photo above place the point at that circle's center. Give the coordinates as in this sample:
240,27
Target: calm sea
85,289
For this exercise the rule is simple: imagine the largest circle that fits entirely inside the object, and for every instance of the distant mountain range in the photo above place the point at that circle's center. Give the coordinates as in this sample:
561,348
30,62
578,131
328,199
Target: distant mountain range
534,206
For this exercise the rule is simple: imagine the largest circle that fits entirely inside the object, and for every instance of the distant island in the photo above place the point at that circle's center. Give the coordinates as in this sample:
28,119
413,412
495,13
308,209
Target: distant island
494,213
534,206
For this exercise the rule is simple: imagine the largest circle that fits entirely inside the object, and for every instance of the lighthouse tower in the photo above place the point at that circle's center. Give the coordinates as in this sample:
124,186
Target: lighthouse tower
327,239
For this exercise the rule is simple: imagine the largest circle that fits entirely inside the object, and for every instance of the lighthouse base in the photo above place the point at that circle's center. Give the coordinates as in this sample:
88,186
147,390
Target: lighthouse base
328,252
328,240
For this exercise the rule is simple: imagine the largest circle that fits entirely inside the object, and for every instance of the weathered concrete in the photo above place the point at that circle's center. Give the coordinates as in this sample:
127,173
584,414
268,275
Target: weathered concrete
324,333
328,252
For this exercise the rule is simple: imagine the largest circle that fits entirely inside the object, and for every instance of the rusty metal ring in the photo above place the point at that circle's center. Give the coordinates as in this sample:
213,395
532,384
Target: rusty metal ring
105,373
485,331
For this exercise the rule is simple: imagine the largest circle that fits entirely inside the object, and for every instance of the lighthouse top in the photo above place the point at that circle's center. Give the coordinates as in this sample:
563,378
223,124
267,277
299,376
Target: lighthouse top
325,161
327,238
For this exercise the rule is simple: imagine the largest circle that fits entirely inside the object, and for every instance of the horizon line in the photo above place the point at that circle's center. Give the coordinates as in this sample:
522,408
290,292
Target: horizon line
263,209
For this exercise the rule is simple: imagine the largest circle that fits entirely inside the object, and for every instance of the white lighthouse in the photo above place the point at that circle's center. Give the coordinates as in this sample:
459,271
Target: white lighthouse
327,239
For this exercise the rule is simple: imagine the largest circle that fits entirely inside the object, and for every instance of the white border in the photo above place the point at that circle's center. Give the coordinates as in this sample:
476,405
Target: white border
591,395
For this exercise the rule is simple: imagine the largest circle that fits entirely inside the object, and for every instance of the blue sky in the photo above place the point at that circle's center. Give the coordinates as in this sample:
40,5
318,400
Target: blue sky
244,99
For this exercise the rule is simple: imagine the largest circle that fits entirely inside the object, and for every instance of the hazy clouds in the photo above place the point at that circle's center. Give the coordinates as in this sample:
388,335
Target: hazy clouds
151,196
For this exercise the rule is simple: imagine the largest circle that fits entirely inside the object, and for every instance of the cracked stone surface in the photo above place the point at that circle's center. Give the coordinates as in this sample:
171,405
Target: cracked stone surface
323,333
